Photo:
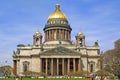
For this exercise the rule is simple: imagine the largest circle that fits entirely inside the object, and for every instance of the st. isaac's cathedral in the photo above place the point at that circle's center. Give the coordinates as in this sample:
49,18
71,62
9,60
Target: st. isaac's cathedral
57,54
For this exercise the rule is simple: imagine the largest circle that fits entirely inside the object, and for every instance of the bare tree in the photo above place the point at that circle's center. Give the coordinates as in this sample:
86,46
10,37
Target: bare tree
111,60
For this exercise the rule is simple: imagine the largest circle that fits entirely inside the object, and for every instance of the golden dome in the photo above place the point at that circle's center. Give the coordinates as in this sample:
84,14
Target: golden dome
37,33
57,13
80,33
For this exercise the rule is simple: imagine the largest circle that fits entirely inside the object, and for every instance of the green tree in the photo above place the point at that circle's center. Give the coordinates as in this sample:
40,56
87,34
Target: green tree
27,73
78,73
33,74
102,74
6,70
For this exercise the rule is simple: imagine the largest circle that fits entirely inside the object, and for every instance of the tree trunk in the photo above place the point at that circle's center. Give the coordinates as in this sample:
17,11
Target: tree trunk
102,78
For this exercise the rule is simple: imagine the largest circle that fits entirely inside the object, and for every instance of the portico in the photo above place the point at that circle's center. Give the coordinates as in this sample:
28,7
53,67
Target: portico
59,66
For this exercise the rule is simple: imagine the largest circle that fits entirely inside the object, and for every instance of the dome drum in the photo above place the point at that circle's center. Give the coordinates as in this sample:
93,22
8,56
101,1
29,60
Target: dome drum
58,28
57,33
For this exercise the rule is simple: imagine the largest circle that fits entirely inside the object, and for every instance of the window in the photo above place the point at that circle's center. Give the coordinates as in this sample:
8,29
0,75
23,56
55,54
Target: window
80,42
64,22
37,41
61,22
51,22
25,66
91,67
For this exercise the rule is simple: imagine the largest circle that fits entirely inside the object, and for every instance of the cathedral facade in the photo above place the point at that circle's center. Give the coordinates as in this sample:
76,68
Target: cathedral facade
57,54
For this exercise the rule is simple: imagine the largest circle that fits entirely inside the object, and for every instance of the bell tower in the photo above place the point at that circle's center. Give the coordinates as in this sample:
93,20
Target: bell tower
37,38
80,39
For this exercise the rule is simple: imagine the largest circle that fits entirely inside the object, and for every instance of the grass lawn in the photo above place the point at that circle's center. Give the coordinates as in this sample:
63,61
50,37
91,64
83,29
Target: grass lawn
45,79
114,79
48,79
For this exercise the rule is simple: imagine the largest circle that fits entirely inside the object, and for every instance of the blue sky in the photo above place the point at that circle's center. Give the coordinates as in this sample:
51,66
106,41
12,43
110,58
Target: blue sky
19,19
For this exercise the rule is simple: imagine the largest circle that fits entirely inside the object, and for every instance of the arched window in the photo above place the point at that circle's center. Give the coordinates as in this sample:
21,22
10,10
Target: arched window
92,66
54,22
64,22
25,66
37,41
51,22
80,41
61,22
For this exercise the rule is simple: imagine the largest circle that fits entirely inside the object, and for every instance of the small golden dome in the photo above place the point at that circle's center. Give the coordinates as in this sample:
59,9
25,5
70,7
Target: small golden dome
80,33
37,33
57,13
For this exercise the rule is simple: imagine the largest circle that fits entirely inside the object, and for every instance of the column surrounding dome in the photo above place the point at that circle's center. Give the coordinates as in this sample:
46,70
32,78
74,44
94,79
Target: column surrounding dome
57,28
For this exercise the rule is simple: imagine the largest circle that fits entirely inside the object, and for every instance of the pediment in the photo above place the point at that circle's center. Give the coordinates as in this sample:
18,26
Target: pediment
60,50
